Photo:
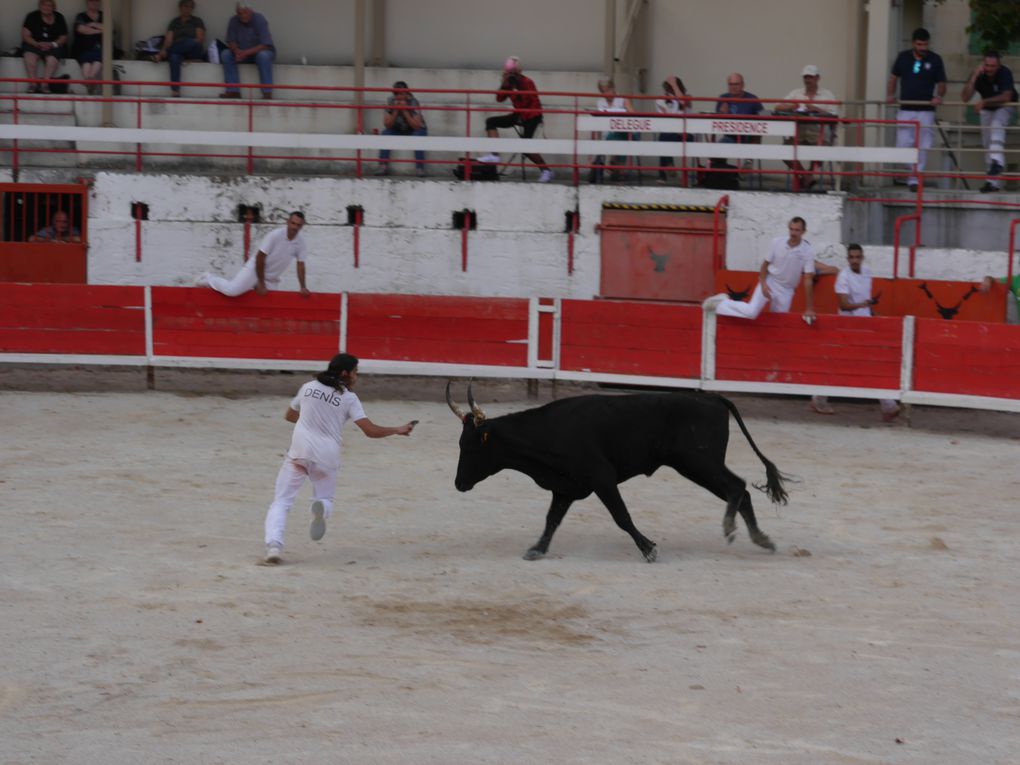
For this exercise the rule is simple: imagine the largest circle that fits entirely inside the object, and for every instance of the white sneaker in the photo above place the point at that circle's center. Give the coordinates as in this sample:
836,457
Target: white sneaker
712,302
546,176
318,528
489,158
202,280
274,554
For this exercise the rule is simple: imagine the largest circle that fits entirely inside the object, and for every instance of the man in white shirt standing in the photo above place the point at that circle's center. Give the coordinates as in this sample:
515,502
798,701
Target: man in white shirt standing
790,260
279,247
853,290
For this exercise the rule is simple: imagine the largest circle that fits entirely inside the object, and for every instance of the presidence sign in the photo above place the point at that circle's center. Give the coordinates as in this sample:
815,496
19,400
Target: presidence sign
702,124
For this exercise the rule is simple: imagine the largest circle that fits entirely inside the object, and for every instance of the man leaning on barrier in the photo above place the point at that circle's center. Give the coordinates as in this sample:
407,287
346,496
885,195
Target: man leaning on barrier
994,83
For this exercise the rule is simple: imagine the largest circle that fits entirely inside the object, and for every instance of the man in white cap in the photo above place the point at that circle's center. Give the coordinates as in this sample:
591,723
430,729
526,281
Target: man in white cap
806,102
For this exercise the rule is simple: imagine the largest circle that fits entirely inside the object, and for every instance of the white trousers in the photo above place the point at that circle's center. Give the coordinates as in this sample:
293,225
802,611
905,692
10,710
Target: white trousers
782,296
926,134
289,481
243,281
993,136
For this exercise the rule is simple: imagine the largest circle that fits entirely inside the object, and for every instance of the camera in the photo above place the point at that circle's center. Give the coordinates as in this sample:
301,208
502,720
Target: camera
513,80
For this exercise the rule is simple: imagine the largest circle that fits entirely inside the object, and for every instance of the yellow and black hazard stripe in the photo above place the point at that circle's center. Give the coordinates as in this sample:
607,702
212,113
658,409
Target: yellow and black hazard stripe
660,207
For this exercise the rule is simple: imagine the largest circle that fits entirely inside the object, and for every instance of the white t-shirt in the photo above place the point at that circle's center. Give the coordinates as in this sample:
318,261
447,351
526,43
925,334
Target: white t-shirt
618,104
319,429
787,264
668,106
857,287
800,94
280,251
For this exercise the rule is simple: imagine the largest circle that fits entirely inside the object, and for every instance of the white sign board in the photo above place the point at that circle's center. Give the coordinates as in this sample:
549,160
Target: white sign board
702,124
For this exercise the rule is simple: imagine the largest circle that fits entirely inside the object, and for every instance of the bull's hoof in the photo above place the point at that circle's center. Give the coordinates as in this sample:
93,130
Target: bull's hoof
729,527
762,540
652,555
534,554
730,537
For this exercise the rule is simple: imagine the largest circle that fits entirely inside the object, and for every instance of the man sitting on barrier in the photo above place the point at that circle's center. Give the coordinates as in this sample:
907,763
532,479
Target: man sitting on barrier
790,260
249,41
854,292
279,247
527,112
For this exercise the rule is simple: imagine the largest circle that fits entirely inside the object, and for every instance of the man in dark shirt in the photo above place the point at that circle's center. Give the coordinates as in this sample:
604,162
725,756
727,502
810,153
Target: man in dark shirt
248,41
994,83
922,79
184,39
739,102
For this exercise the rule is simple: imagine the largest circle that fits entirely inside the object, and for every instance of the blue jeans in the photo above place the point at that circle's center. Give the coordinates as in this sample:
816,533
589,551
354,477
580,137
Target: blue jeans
419,156
263,60
178,51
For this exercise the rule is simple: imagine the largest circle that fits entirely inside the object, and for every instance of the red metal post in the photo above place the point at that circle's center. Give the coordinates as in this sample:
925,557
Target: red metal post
724,200
575,226
138,233
247,239
896,242
464,239
1012,248
138,147
357,237
251,128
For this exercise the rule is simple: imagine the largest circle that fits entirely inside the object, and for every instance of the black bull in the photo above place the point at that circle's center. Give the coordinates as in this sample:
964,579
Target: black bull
576,446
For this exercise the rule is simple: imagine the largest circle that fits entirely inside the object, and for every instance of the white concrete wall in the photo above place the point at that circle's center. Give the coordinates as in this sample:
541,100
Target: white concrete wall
408,245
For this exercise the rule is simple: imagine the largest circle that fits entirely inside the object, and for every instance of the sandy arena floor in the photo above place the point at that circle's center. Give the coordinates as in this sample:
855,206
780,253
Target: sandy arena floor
138,625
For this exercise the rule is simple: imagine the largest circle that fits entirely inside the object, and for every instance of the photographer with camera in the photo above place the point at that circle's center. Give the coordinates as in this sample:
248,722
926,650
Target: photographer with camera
402,117
527,112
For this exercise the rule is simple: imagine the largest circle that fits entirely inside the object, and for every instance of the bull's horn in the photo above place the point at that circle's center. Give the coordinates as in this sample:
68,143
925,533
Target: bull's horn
449,400
475,409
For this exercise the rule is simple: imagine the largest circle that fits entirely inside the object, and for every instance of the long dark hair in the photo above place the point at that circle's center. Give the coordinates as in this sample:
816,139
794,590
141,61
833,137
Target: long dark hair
338,372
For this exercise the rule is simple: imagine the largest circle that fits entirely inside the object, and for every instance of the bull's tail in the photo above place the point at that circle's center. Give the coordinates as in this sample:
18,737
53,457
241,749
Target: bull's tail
774,479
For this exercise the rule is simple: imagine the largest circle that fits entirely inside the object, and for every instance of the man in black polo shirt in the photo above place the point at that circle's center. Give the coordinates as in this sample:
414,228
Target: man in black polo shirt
994,83
923,84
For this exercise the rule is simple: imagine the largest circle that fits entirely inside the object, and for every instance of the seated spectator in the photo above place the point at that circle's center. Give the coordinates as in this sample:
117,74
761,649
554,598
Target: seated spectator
611,103
60,230
403,117
248,41
184,39
88,42
800,102
738,102
527,113
672,104
43,40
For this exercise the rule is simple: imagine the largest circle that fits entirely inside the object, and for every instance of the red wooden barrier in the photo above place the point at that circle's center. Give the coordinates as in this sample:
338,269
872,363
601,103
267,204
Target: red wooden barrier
847,351
280,325
72,319
924,298
439,329
967,358
630,338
